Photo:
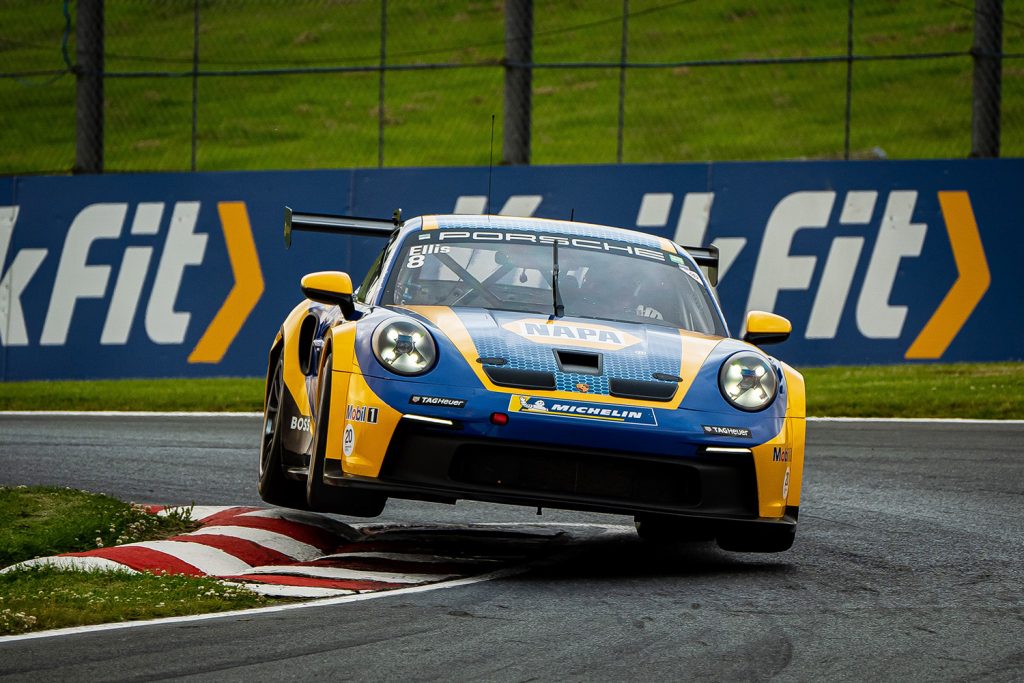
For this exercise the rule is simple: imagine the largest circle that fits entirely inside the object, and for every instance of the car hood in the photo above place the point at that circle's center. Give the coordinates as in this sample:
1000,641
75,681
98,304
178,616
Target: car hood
582,355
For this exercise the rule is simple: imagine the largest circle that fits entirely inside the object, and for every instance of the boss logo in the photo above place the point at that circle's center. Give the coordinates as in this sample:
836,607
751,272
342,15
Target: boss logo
301,423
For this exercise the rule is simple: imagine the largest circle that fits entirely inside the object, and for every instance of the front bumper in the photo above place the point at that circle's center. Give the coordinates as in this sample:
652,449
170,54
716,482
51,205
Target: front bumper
445,464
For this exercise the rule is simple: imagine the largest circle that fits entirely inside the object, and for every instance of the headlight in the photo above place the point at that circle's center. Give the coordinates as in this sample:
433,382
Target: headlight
404,346
747,381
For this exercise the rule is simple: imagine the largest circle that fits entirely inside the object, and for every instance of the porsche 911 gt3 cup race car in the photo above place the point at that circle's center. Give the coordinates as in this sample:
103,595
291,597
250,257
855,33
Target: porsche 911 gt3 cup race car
533,362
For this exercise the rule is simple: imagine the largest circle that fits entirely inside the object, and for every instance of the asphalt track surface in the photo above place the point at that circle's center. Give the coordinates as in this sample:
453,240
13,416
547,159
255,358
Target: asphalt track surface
908,565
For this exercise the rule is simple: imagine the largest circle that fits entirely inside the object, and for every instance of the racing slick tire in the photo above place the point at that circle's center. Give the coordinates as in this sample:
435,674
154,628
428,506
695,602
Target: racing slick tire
321,497
663,529
274,487
767,540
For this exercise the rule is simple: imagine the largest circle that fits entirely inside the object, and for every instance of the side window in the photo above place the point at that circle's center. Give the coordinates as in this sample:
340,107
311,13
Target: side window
371,282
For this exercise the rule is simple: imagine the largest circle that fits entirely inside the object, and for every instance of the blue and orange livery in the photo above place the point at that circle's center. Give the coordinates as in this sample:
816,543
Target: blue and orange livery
534,362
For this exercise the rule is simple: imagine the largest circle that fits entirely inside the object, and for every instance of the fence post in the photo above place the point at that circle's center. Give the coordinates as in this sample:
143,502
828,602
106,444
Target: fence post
195,80
623,56
987,52
380,81
518,81
89,96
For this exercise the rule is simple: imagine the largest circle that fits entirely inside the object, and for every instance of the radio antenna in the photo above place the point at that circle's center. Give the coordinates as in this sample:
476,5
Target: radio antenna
572,214
490,166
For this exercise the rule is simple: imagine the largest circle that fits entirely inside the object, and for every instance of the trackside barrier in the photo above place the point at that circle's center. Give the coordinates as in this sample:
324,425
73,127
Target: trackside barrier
178,275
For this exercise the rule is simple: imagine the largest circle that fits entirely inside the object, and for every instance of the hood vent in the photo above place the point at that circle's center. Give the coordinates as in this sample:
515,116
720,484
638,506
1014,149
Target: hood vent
523,379
578,362
642,389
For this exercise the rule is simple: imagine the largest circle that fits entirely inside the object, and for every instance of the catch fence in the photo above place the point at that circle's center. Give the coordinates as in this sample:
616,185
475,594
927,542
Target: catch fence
143,85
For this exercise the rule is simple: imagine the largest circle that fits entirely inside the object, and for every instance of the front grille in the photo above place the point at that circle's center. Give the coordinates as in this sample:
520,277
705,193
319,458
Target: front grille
447,464
642,389
524,379
539,470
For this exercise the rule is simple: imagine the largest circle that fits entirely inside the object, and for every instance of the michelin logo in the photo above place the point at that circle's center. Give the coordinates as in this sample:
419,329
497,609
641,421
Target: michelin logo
587,411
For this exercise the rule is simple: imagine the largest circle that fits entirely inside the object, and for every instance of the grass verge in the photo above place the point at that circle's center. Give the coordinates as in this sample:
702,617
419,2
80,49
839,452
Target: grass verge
216,394
957,390
39,598
952,390
38,521
42,521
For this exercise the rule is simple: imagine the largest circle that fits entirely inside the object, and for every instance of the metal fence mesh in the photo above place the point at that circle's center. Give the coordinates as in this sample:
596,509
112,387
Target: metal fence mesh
258,84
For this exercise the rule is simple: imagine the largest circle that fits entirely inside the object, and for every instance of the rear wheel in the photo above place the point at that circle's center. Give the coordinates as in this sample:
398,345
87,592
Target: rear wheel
274,487
320,496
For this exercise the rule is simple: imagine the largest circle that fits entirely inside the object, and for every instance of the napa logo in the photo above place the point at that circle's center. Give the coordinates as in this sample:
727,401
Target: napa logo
544,331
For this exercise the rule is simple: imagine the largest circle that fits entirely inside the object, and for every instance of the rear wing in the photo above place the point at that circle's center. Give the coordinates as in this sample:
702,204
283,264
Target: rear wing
338,225
707,259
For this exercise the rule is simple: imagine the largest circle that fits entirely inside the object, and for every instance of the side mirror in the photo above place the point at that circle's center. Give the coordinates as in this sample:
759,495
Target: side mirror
330,287
766,328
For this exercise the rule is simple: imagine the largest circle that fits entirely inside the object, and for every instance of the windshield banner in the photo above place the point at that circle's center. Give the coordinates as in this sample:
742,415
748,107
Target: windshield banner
165,275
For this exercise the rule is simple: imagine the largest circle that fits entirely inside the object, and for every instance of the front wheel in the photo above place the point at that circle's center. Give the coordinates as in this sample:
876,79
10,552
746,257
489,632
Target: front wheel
274,487
319,496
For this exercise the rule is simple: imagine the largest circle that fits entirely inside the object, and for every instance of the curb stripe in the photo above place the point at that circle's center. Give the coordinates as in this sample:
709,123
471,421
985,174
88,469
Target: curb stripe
303,533
309,519
281,543
247,551
206,559
217,515
337,598
143,559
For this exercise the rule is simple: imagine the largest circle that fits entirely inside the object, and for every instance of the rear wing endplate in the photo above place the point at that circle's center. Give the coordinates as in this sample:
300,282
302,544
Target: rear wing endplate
707,259
338,225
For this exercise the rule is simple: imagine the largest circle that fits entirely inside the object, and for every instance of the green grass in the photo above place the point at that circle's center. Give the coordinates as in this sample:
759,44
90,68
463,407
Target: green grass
39,598
909,109
964,390
43,521
217,394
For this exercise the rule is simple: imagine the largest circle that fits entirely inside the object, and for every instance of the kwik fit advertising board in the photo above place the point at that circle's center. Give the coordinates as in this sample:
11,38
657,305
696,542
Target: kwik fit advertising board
163,275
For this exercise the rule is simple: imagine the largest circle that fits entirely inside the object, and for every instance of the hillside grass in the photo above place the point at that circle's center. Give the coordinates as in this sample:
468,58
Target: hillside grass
903,109
949,390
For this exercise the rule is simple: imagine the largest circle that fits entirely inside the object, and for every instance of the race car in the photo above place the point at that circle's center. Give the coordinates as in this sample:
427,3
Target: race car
533,362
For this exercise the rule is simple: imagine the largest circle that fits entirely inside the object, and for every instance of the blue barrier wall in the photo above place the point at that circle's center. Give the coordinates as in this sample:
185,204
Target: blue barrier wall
156,275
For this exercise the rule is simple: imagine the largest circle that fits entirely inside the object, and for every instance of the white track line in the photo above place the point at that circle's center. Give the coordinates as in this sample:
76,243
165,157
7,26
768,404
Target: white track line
123,413
278,591
929,420
455,583
342,574
156,413
411,557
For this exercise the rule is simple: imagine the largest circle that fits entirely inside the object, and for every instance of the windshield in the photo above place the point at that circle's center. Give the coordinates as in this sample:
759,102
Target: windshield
602,279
